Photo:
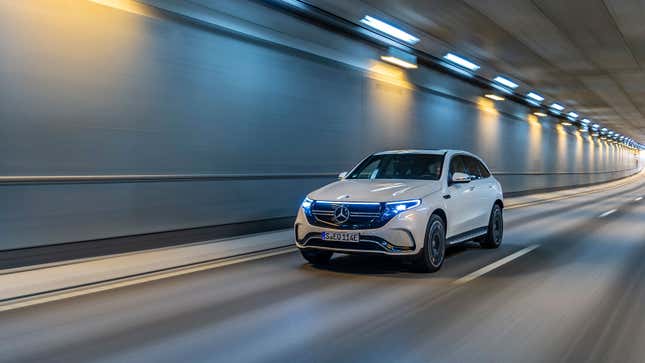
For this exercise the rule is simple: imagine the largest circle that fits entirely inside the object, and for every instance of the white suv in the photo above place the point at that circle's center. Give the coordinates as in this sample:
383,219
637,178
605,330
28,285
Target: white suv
406,202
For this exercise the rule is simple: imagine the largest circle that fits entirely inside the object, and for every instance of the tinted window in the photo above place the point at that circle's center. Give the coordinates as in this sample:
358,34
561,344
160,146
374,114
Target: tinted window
483,170
472,166
399,166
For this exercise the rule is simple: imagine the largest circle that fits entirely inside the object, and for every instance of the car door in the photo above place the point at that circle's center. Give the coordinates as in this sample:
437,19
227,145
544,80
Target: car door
480,191
488,191
460,203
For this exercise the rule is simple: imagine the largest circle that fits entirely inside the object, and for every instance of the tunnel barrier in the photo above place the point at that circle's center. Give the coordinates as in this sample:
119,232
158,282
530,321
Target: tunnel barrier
48,210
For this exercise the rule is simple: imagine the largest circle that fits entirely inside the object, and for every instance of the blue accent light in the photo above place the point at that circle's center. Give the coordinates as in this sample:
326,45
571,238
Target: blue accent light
394,208
306,204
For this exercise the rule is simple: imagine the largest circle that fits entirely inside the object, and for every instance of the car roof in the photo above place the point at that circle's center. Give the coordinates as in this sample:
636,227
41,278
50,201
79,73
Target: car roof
419,151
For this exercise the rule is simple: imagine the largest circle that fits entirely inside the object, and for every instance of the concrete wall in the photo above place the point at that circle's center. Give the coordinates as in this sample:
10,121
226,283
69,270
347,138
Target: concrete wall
229,112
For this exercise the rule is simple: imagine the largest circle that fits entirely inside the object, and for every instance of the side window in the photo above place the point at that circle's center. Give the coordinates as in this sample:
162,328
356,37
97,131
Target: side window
484,171
472,167
456,166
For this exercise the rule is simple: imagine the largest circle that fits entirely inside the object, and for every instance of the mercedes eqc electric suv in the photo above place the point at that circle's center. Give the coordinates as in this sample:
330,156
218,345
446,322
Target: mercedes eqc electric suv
410,203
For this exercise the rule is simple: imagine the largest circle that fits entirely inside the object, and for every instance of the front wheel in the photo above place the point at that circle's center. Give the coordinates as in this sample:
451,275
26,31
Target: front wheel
433,253
495,231
317,257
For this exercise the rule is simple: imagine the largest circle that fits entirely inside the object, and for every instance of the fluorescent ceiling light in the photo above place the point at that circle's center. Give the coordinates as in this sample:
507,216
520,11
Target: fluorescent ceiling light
595,126
386,28
610,133
603,129
535,96
461,61
572,114
506,82
585,121
540,114
494,97
557,107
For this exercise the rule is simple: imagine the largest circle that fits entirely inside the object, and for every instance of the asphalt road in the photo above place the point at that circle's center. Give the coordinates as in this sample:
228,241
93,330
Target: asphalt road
579,296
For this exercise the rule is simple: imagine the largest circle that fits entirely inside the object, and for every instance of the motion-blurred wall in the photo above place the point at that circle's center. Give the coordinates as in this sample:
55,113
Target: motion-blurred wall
216,112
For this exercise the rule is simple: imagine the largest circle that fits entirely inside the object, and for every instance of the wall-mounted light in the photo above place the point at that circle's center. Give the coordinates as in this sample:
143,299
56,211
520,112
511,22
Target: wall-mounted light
388,29
461,61
566,123
494,97
540,114
400,58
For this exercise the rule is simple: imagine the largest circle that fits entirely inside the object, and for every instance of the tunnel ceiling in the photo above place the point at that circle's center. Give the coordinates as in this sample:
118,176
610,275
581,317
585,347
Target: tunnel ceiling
586,54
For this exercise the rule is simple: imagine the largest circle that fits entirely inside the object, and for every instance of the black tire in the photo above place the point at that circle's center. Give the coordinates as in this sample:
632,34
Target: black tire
495,233
433,253
317,257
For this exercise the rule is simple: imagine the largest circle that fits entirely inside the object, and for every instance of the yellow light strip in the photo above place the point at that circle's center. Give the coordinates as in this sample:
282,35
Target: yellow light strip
399,62
494,97
540,114
130,6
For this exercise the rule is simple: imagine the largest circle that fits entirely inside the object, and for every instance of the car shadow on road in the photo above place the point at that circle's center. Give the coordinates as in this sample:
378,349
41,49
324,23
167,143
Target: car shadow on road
386,265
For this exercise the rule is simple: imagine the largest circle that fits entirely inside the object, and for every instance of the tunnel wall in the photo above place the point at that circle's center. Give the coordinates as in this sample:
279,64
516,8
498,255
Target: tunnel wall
224,112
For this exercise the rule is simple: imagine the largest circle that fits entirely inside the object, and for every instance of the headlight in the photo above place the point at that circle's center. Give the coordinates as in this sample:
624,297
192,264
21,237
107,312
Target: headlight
306,204
394,208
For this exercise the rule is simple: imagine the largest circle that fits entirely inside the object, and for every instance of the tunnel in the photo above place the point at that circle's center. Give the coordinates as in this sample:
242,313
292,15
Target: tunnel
165,166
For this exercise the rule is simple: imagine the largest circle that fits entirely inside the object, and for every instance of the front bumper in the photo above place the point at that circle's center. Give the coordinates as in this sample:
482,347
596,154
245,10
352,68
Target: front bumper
403,235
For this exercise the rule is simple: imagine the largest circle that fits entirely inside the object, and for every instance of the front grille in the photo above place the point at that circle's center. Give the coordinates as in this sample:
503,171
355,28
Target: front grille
361,215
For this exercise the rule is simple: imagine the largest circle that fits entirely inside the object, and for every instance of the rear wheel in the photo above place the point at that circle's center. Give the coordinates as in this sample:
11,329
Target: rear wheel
495,231
433,253
317,257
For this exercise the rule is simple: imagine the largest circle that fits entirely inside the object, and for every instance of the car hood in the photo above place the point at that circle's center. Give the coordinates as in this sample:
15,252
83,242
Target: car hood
375,190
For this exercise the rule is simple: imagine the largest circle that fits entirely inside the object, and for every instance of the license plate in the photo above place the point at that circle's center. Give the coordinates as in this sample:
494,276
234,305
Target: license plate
341,236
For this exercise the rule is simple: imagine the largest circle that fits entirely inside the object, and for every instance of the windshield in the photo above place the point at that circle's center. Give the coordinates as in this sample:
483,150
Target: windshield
399,166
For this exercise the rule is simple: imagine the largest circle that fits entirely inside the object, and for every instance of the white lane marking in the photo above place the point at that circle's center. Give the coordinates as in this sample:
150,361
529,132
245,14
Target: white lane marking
638,199
607,213
129,281
495,265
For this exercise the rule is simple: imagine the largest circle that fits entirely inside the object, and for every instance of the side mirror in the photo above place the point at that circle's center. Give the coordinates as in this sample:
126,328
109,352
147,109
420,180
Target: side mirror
342,175
460,178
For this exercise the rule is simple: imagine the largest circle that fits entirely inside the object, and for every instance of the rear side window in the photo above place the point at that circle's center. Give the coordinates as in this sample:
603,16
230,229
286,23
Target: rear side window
483,170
